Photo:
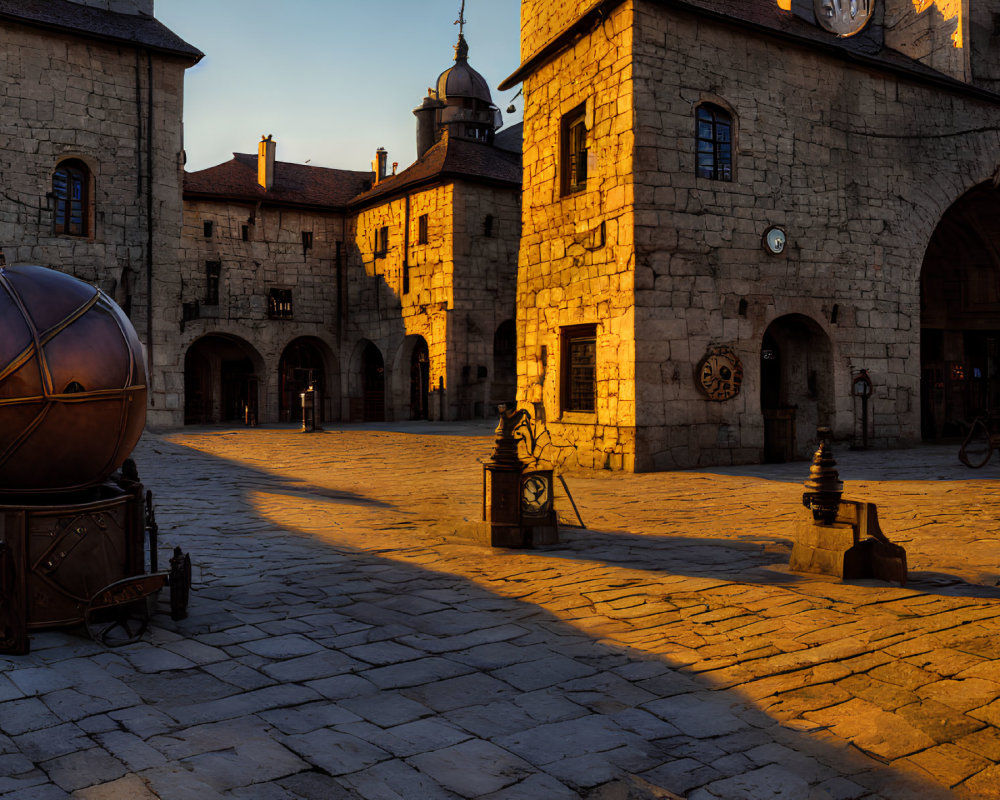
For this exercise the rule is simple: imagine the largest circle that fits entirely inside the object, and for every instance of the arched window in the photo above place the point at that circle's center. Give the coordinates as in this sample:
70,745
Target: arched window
70,190
714,136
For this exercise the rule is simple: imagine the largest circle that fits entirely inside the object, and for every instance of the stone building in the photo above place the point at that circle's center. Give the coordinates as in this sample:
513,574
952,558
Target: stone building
732,209
432,258
92,158
263,287
393,292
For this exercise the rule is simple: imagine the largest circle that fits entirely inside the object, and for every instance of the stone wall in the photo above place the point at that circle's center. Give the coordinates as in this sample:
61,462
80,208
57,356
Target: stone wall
460,287
68,97
935,32
273,257
855,170
577,250
857,166
541,20
380,310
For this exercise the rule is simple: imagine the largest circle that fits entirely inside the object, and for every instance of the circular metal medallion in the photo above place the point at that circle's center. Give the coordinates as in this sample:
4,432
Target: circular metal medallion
536,494
844,17
720,374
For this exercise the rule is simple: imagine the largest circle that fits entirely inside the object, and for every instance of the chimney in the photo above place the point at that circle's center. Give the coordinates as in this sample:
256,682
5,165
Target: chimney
265,162
379,164
428,122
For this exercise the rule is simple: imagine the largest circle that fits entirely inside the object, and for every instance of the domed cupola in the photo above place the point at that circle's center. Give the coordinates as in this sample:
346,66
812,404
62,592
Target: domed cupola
461,104
462,80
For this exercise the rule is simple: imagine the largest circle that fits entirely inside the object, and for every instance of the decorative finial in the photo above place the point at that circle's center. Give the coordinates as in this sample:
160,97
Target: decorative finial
462,48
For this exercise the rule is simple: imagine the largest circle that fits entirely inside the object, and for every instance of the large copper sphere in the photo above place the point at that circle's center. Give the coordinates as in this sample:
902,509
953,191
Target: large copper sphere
72,383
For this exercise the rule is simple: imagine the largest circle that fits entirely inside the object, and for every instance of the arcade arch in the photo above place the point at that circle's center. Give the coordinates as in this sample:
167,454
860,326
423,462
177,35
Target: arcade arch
960,316
304,360
222,379
796,386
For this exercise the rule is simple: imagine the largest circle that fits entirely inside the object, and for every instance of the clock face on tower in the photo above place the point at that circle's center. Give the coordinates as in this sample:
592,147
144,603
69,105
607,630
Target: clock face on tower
720,374
844,17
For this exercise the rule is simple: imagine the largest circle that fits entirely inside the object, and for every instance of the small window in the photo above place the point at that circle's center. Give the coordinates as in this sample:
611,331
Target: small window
70,195
574,151
422,229
381,242
246,233
279,304
579,368
714,137
207,228
213,271
307,241
488,225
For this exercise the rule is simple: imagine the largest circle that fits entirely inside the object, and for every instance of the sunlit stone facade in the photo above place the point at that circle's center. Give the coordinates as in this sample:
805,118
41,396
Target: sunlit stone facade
853,151
92,143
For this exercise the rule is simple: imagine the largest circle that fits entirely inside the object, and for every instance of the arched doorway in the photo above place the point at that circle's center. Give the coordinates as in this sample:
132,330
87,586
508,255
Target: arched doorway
222,376
373,383
301,363
960,317
420,372
505,364
796,386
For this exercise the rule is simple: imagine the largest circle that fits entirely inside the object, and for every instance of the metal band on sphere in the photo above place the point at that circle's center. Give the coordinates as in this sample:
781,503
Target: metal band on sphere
72,383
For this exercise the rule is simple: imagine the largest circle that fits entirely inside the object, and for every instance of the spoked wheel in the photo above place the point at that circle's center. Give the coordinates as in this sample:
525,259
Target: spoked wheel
119,614
120,625
977,447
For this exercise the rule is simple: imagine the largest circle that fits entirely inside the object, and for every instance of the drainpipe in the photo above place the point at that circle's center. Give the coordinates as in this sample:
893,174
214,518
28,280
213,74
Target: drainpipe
149,224
406,247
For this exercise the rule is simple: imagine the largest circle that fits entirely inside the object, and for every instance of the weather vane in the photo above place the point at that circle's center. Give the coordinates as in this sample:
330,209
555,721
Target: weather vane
461,20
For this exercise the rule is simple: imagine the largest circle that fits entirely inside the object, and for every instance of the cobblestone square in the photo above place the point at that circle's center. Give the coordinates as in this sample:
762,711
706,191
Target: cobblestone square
347,638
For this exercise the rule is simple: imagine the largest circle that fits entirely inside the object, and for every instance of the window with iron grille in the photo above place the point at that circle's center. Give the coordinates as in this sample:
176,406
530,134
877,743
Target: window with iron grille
70,193
714,137
279,304
422,229
573,135
213,271
579,368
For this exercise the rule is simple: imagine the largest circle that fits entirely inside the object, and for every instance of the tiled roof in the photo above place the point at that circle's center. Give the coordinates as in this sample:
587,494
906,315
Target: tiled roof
294,184
451,158
511,138
133,29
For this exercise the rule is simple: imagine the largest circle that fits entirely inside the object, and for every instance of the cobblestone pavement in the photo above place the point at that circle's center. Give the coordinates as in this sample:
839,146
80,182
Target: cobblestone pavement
348,640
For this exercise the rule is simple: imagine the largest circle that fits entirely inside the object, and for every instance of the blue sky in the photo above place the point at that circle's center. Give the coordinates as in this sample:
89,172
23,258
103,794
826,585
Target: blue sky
332,80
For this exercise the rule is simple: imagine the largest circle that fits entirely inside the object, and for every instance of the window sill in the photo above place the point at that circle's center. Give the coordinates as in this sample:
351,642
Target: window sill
578,417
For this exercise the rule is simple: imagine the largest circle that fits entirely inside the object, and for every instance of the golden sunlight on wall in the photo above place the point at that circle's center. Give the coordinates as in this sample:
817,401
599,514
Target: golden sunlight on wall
949,9
785,5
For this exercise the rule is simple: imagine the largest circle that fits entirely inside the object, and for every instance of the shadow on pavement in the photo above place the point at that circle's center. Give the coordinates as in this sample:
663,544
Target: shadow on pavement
574,706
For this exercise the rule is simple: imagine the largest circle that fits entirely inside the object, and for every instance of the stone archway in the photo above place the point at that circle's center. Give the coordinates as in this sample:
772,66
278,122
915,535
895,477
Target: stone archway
960,316
419,376
222,379
305,359
796,386
370,379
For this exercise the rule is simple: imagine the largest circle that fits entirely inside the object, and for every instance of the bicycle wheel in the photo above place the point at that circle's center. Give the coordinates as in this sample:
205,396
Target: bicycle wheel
977,447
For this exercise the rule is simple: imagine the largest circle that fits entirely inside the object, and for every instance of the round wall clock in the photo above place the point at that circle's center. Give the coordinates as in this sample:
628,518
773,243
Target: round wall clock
720,374
844,17
775,240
